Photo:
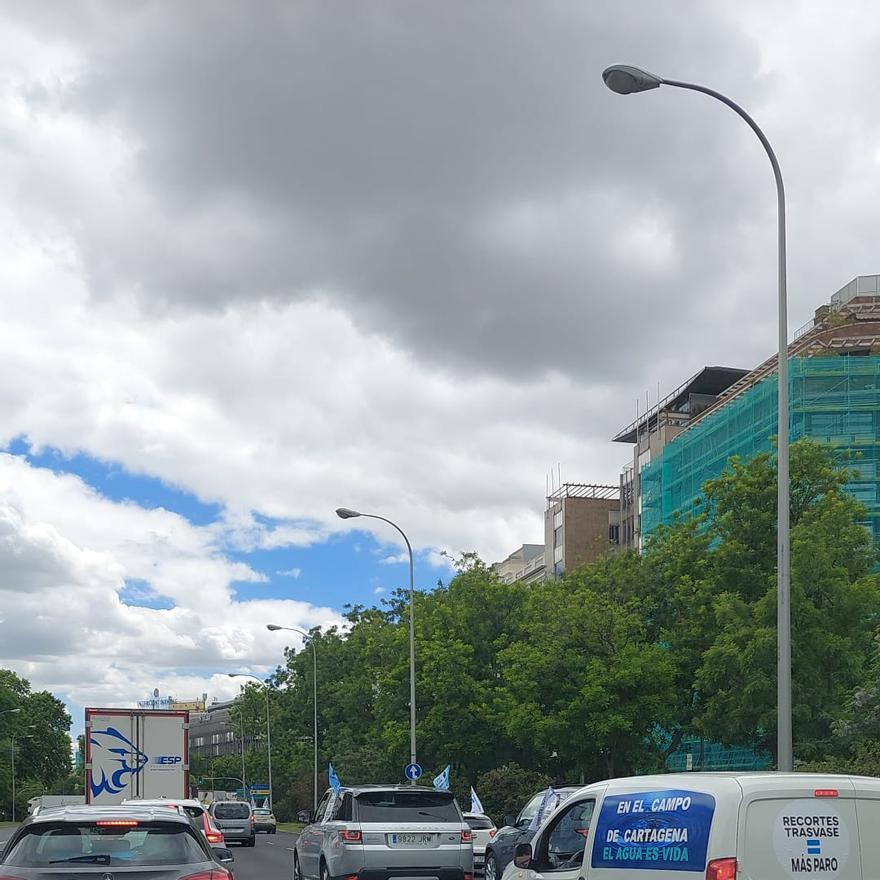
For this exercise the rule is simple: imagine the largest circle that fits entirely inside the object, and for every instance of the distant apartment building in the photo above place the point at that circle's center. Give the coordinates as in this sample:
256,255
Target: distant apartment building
525,564
581,524
211,733
651,432
834,394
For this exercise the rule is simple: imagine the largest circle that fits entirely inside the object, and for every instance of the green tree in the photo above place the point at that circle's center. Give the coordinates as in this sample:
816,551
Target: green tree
835,601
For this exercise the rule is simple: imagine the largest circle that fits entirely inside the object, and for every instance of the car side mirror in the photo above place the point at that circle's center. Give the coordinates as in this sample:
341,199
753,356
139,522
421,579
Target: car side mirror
522,855
509,819
224,856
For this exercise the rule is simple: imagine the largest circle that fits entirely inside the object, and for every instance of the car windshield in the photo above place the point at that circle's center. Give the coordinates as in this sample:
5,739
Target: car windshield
263,812
407,806
232,811
88,843
479,823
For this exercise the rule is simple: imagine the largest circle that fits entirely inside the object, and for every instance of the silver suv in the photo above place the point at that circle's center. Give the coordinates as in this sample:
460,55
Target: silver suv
385,832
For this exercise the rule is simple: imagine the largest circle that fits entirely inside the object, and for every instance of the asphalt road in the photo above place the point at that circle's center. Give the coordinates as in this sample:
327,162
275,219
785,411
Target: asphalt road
270,859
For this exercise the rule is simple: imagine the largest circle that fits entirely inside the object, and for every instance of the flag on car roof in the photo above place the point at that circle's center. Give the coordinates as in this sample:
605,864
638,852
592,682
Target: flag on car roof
476,806
333,779
548,803
441,782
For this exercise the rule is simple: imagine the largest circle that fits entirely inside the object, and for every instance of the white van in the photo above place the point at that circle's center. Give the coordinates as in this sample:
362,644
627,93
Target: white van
717,826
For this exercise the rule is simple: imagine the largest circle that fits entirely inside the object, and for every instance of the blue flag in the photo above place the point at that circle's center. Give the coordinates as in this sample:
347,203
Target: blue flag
441,782
334,780
476,806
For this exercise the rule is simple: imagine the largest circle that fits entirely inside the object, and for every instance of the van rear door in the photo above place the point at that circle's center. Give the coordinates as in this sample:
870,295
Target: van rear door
799,827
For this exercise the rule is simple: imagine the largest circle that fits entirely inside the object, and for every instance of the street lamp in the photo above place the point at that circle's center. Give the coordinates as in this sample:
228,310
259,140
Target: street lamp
268,722
626,80
346,513
273,627
14,737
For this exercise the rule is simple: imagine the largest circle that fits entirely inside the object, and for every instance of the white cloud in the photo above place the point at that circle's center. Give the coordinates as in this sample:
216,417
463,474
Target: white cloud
66,554
291,573
378,591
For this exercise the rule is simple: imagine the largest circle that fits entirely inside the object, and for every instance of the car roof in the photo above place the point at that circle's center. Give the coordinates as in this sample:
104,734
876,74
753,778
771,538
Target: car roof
94,812
418,789
159,802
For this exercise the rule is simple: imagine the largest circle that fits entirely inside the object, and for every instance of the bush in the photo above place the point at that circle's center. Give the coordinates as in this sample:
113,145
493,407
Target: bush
505,790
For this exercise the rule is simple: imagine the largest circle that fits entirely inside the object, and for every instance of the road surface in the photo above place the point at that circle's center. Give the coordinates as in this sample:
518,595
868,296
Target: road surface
270,859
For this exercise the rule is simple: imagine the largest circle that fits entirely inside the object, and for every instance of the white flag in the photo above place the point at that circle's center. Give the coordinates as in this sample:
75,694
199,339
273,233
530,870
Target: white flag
476,806
548,804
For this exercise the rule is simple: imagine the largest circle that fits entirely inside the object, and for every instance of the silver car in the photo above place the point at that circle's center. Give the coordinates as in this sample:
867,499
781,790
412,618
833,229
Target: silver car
385,832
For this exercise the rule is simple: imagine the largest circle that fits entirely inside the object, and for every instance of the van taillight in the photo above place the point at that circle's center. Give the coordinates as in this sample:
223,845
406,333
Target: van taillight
721,869
826,792
350,836
467,836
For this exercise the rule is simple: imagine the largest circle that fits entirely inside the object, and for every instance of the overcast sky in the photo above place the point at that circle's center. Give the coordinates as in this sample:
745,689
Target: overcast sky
260,260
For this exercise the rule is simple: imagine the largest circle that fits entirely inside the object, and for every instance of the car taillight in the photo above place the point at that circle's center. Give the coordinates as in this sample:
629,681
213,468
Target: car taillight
721,869
117,823
214,837
468,876
492,832
214,874
467,836
826,792
350,836
253,819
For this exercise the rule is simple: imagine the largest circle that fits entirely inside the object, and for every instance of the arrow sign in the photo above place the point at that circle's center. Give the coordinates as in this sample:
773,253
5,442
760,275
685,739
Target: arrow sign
413,771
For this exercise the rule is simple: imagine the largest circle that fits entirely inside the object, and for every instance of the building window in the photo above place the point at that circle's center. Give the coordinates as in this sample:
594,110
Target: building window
200,741
557,537
215,738
230,736
557,554
614,533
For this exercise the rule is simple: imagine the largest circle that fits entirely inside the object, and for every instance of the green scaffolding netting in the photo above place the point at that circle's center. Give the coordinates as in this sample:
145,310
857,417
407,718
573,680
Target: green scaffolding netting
834,400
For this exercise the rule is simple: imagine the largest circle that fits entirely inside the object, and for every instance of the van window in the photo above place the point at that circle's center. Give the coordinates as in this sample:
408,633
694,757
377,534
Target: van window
562,845
232,811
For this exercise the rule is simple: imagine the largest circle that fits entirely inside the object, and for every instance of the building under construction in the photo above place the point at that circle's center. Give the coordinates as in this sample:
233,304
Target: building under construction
834,393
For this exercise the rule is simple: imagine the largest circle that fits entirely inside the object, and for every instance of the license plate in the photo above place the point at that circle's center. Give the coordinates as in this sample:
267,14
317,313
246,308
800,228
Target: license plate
412,839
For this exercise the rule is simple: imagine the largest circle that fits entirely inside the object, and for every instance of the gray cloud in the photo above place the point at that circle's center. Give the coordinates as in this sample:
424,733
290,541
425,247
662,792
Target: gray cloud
455,175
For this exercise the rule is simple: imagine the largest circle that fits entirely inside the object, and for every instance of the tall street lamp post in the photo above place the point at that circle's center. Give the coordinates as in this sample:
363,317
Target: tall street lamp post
14,737
626,80
346,513
273,627
268,722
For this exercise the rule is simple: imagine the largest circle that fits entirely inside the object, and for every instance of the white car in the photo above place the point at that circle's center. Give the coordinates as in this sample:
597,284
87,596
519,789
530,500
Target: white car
195,810
484,830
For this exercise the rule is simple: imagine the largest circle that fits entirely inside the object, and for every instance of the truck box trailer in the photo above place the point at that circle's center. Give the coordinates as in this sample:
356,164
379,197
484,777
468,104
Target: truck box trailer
136,753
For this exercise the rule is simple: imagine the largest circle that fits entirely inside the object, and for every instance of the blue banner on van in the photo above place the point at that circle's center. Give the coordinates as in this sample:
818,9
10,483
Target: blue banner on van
654,830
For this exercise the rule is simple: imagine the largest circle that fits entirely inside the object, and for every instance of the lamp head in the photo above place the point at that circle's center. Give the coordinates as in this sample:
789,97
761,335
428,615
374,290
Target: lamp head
273,627
346,513
625,80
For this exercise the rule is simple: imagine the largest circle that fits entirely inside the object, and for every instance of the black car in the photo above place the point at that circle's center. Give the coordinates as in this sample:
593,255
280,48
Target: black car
95,842
499,850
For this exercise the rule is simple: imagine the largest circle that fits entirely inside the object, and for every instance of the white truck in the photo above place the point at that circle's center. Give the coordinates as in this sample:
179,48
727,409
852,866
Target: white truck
136,753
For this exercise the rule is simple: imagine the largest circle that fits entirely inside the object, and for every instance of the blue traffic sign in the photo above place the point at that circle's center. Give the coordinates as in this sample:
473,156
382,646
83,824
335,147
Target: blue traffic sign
413,771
